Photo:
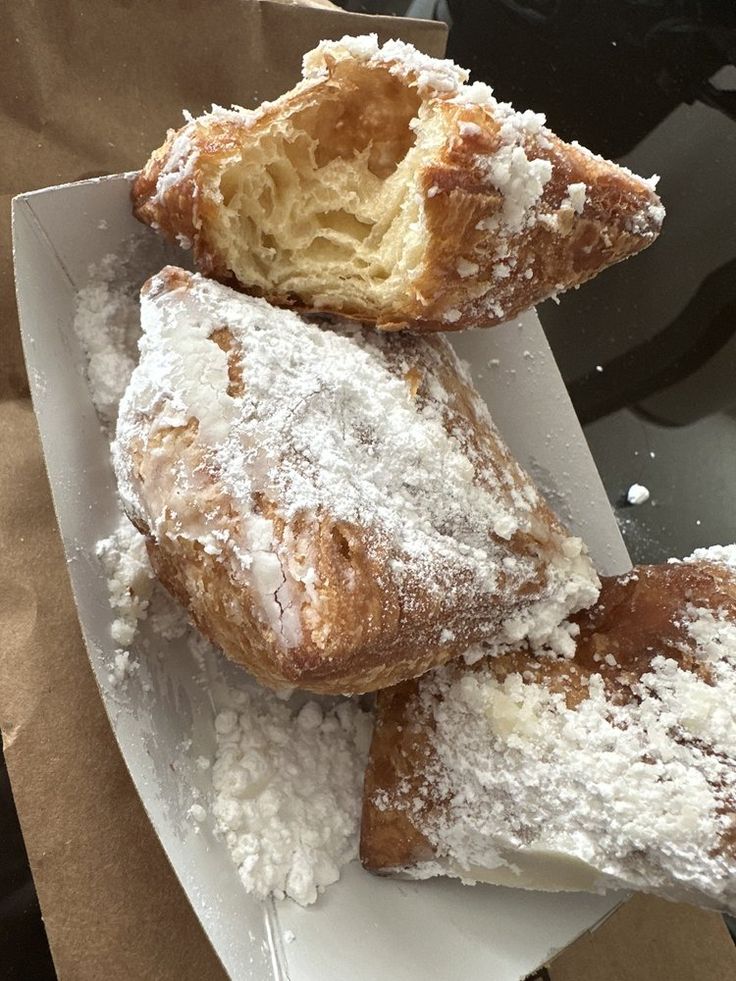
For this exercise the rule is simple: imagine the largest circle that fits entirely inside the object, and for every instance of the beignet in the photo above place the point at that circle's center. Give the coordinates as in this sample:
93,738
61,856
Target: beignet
334,506
613,770
384,188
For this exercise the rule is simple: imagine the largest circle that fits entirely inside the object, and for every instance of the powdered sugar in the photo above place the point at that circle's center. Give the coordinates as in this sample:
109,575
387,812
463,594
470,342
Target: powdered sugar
294,832
180,161
637,494
121,668
107,323
287,791
575,199
720,554
129,579
432,76
521,181
704,710
466,268
469,129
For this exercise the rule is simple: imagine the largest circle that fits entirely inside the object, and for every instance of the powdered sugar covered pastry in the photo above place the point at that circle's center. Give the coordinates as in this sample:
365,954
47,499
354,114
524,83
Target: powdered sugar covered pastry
334,506
385,188
616,769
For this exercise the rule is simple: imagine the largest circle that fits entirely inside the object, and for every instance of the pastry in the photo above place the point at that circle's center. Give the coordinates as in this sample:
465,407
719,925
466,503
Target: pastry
384,188
334,506
613,770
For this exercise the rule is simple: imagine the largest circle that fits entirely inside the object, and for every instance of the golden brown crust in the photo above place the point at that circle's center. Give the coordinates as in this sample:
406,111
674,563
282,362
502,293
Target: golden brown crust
637,618
400,754
555,256
369,634
178,193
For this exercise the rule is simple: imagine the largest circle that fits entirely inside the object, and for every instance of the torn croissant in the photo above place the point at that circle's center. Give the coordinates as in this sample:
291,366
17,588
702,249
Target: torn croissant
613,770
384,188
334,507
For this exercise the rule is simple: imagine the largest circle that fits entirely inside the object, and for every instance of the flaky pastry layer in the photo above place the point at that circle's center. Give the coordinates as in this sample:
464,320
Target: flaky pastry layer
384,188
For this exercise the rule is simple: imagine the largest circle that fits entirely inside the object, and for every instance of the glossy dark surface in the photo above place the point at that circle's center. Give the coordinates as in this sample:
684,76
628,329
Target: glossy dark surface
645,83
649,348
24,951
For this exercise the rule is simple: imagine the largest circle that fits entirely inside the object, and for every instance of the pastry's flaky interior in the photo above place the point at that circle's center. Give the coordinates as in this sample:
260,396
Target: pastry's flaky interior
326,195
385,189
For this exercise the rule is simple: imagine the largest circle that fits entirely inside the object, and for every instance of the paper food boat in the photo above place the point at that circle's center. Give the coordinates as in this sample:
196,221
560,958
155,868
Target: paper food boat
363,927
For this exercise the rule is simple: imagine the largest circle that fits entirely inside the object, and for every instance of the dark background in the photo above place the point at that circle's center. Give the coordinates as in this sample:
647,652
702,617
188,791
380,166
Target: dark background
652,84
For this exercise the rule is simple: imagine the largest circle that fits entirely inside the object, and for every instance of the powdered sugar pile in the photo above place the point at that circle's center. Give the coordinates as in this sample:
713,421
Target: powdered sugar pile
107,323
288,789
287,777
325,426
129,579
291,830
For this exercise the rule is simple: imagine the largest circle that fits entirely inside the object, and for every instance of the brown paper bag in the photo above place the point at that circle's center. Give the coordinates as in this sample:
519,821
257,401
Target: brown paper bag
85,89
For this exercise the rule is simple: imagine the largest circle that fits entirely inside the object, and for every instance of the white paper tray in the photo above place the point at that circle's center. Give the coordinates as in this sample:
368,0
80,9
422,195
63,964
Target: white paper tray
363,928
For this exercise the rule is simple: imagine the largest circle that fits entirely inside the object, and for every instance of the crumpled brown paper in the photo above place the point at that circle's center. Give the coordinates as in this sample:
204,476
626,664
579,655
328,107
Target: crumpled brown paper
88,88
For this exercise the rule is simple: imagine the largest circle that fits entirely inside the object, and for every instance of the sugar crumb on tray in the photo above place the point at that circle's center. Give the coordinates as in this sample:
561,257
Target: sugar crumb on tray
637,494
288,787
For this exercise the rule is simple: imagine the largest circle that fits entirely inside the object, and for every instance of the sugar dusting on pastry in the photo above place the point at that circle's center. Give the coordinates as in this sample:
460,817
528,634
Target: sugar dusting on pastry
718,554
432,76
325,424
620,794
515,167
635,778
